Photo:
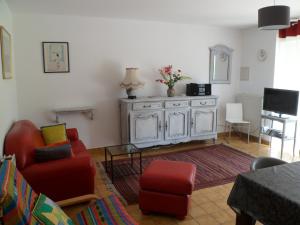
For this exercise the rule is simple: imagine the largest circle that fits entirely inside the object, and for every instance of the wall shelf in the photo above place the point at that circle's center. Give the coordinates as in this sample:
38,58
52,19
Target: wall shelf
68,110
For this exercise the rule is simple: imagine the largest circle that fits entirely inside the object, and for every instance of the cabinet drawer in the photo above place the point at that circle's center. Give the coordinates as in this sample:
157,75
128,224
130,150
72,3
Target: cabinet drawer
203,102
176,104
147,105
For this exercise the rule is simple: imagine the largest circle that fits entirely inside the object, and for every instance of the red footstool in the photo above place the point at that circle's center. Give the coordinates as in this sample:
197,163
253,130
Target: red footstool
166,187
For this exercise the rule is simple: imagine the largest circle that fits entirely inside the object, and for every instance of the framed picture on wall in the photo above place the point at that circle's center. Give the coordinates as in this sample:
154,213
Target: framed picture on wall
56,57
6,59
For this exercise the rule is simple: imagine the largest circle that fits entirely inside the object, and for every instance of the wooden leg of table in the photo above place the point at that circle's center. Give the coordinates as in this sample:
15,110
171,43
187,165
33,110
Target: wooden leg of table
244,219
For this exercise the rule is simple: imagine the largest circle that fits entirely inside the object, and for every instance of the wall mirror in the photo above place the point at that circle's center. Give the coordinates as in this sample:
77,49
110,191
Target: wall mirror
220,64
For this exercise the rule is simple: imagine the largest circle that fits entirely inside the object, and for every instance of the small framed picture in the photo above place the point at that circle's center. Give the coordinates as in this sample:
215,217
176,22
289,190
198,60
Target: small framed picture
56,57
5,45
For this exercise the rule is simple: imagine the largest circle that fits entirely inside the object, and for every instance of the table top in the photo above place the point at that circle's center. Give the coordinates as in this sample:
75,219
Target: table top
270,195
122,149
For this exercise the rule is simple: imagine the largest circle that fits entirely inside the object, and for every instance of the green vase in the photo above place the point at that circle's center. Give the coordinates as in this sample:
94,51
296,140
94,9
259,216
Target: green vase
171,92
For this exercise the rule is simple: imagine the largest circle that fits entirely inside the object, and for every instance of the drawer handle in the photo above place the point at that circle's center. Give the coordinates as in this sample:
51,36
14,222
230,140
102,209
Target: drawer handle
203,103
147,106
174,104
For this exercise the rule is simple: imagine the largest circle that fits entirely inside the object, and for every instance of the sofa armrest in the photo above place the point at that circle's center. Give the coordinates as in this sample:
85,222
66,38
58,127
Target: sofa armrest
77,200
72,134
61,179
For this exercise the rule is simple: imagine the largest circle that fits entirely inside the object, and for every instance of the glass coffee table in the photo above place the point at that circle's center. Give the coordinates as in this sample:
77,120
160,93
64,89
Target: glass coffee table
120,150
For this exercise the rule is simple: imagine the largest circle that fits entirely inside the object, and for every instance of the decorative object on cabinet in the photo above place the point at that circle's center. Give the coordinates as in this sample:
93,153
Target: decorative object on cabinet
262,55
131,82
194,89
159,121
56,57
220,64
5,45
170,78
274,17
67,110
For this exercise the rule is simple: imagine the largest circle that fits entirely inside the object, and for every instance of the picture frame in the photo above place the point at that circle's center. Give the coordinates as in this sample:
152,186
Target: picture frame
56,57
6,53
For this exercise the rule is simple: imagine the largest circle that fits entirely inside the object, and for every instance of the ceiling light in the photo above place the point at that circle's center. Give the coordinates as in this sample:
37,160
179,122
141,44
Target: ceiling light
274,17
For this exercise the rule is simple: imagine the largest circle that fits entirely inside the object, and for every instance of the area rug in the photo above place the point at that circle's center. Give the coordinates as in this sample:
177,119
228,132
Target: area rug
216,165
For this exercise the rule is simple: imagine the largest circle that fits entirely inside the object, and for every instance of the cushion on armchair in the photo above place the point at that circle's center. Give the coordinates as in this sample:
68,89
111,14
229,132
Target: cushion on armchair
45,154
48,213
13,185
54,133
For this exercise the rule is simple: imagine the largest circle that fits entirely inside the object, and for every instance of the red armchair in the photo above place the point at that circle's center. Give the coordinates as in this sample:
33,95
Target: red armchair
58,179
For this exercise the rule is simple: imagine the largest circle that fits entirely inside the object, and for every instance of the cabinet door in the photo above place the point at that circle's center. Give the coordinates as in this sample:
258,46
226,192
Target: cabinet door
176,122
146,126
203,121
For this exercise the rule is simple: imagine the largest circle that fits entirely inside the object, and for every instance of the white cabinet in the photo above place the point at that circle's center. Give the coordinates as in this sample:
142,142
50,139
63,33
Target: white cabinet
176,124
159,121
146,126
203,121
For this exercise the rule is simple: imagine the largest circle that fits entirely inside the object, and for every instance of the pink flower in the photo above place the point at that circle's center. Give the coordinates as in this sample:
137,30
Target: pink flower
168,70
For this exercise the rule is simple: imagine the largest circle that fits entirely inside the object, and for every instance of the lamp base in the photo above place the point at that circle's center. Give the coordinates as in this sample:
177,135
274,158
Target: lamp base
130,93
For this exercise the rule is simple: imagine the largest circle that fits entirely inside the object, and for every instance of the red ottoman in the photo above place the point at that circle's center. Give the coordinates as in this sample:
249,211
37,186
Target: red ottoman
166,187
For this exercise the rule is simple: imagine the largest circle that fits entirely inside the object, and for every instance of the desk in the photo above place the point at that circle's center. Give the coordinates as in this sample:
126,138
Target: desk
270,195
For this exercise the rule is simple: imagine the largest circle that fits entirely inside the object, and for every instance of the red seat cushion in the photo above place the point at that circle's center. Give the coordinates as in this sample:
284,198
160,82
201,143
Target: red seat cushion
169,177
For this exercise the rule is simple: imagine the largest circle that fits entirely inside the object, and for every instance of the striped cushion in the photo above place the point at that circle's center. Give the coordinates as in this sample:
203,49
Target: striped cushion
106,211
16,196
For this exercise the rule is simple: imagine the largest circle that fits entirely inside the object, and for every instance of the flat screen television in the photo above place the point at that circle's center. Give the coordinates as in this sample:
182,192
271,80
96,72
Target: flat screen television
281,101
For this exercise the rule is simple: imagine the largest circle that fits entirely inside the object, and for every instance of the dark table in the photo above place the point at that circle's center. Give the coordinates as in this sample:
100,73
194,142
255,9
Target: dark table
270,195
121,150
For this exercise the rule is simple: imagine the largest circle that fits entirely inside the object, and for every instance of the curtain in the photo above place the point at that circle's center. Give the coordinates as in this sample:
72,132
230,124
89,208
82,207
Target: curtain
287,70
293,30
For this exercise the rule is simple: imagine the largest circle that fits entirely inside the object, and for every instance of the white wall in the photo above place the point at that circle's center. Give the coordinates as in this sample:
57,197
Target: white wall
261,73
8,92
100,50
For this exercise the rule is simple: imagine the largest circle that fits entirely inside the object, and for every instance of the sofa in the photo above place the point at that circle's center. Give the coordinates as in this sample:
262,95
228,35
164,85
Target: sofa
58,179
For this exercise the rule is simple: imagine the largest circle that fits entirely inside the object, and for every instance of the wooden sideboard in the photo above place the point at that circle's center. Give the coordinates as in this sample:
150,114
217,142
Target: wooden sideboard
154,121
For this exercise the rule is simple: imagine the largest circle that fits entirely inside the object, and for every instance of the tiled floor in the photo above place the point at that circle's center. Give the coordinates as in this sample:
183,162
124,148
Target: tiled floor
208,206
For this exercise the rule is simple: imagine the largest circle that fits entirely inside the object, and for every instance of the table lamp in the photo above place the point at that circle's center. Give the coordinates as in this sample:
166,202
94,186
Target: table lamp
131,82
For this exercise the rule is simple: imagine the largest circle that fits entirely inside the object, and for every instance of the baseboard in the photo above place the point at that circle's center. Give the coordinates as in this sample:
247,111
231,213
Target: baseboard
243,135
223,135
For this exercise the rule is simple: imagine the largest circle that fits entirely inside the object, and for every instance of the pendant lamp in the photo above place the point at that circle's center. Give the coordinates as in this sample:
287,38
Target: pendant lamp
274,17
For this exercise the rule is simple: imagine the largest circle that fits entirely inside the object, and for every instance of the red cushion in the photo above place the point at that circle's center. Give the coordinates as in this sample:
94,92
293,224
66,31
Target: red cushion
169,177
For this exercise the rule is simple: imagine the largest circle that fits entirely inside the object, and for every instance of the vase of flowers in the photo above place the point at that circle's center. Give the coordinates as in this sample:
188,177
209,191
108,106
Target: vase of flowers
170,78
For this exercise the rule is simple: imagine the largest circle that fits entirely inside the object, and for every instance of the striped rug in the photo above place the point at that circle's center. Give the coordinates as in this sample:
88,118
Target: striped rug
216,165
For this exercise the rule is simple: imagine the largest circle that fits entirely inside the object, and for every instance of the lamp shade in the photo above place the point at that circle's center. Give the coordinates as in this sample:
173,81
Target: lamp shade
274,17
131,80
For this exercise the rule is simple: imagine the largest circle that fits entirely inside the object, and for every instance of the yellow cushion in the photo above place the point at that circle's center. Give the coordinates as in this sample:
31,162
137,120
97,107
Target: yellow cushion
54,134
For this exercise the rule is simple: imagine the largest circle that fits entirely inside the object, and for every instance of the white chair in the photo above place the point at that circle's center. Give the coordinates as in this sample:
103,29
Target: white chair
234,116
